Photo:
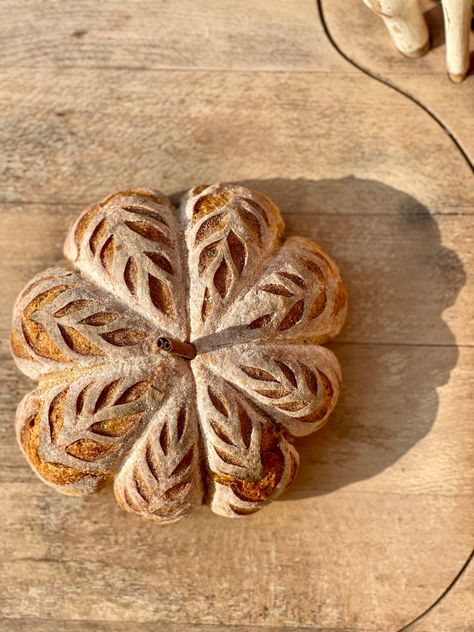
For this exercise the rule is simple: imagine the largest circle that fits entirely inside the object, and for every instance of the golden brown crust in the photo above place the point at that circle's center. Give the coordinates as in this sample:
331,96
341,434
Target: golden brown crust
53,473
174,359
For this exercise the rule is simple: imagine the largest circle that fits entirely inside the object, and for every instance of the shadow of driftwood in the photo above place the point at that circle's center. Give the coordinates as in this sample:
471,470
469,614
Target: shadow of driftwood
435,22
395,349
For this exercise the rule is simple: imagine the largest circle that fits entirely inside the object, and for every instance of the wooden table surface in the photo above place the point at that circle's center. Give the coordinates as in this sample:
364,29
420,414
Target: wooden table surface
378,525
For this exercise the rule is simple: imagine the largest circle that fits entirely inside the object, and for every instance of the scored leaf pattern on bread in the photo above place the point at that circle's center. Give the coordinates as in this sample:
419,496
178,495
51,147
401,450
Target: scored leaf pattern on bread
298,298
121,396
61,320
129,244
77,425
161,479
250,461
296,384
231,232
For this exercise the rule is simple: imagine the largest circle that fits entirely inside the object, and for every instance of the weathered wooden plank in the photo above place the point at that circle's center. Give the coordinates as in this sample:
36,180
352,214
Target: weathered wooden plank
25,625
455,612
452,104
255,34
222,35
86,558
74,136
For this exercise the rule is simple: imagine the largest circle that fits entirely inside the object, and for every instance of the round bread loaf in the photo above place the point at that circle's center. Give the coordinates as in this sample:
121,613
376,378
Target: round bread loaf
180,354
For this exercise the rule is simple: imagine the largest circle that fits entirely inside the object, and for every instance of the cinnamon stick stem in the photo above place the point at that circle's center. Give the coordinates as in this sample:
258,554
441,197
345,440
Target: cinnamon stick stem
184,349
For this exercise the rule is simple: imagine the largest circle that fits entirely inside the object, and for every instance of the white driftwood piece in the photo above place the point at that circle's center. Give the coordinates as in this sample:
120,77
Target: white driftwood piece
457,20
405,23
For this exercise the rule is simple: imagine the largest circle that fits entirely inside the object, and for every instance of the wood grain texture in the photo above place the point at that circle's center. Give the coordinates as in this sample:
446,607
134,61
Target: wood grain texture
102,626
425,78
378,523
106,120
148,35
454,611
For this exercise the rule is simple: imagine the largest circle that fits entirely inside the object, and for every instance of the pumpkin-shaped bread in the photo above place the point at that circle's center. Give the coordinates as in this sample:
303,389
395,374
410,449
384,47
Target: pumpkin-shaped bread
180,355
